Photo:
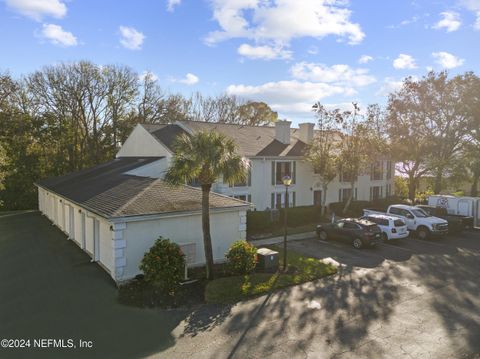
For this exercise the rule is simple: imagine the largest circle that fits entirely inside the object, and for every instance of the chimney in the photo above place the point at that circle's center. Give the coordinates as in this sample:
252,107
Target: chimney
306,132
282,131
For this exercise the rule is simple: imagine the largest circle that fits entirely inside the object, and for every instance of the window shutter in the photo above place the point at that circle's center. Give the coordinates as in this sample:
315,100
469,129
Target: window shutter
249,198
381,191
294,172
339,195
249,183
273,173
273,201
293,199
371,190
355,194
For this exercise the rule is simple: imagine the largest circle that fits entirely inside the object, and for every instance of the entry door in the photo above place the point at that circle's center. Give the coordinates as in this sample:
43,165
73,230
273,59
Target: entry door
317,198
84,230
96,240
71,223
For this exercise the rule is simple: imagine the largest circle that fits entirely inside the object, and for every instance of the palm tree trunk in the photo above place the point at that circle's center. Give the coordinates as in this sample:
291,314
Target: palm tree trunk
207,240
350,198
411,188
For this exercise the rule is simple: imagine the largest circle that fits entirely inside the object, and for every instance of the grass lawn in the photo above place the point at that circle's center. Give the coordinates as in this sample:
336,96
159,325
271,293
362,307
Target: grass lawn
291,230
301,269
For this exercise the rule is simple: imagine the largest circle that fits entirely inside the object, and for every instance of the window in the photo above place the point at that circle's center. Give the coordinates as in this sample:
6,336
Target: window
282,169
395,210
388,190
389,170
344,194
376,193
278,199
376,172
244,197
349,225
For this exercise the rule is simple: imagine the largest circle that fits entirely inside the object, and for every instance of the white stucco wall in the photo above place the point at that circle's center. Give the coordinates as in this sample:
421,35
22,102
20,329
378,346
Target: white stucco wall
306,183
226,227
142,144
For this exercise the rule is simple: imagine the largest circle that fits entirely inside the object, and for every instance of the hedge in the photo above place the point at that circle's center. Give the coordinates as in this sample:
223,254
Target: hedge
356,207
265,221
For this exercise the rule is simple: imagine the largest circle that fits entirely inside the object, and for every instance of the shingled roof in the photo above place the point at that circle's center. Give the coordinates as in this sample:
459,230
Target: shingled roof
251,140
109,192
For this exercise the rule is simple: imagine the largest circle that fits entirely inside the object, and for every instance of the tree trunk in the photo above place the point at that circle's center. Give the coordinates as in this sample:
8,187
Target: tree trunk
324,200
207,240
438,181
350,198
474,189
411,188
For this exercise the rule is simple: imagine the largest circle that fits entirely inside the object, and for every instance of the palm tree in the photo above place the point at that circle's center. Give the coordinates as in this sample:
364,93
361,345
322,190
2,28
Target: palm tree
205,157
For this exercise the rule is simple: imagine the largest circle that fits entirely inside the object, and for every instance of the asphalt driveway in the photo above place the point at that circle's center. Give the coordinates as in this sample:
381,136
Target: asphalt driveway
50,290
412,299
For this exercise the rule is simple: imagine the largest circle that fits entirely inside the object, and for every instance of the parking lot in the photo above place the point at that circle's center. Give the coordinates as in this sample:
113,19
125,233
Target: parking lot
394,251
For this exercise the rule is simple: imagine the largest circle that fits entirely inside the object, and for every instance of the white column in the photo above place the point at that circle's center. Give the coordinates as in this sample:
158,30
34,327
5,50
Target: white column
119,245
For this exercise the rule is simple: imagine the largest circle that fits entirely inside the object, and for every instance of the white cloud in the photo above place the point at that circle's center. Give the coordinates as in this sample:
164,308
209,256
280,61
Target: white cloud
312,50
189,79
37,9
447,60
389,85
474,6
146,74
57,36
290,96
172,3
338,74
263,52
450,21
131,38
404,61
476,26
276,23
365,59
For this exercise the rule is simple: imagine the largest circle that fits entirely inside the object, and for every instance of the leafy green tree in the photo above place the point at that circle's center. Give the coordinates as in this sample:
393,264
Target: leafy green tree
206,157
255,113
322,154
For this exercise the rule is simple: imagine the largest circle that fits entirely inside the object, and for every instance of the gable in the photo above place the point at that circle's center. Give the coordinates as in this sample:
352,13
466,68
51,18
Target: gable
141,143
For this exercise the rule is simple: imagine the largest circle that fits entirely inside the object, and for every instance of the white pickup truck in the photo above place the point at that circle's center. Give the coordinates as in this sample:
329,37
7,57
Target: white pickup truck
416,219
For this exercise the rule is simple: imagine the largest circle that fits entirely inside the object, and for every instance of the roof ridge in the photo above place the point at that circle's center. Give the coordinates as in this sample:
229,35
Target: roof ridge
134,198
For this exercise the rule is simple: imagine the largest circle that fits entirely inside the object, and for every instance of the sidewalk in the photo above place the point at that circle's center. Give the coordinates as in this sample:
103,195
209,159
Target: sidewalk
276,240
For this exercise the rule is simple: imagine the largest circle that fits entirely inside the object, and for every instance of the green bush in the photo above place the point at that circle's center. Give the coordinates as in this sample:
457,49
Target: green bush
265,221
164,265
242,257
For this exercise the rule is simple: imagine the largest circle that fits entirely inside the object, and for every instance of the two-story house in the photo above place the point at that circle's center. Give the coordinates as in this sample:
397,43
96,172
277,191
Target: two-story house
273,152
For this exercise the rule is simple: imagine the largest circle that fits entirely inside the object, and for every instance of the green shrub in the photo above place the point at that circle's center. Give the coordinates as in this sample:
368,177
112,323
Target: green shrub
164,265
242,257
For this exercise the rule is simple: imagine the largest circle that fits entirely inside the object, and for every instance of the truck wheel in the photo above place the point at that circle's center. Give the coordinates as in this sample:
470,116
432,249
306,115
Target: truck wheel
385,237
423,233
357,243
323,235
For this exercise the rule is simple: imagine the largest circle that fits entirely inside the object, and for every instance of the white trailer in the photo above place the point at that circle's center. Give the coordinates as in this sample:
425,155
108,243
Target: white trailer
465,206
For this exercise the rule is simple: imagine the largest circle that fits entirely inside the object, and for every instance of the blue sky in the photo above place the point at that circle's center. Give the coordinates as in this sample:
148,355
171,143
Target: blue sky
288,53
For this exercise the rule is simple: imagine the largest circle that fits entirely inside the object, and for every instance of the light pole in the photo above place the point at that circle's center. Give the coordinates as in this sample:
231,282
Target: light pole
287,181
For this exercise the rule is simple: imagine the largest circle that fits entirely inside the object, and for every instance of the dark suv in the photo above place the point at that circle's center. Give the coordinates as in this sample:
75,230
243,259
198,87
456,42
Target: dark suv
359,232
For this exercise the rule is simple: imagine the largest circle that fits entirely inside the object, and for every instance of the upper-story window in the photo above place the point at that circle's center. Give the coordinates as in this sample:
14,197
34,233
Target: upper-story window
280,169
377,171
389,170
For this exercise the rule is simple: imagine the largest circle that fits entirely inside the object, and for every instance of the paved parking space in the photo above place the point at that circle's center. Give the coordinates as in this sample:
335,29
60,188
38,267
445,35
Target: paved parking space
394,251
